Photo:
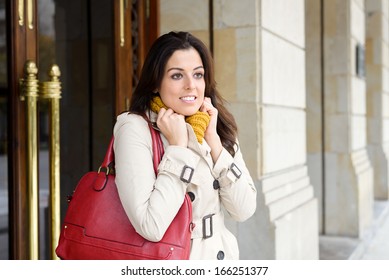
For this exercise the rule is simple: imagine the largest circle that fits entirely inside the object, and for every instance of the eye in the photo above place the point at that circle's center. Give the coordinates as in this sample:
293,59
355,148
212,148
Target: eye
176,76
198,75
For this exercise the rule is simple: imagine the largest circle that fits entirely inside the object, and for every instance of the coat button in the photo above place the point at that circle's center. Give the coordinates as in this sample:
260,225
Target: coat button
216,184
220,255
192,196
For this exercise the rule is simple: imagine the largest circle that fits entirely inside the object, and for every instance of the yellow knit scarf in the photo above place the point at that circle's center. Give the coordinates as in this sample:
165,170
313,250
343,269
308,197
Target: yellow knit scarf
198,121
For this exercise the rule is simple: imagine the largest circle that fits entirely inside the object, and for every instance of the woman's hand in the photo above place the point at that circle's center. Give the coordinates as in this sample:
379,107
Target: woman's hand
211,135
173,127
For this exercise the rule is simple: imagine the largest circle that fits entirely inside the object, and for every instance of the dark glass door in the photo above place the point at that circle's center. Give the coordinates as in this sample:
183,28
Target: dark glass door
78,36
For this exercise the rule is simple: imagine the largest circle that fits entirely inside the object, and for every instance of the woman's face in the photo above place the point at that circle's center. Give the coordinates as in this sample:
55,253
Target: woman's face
183,85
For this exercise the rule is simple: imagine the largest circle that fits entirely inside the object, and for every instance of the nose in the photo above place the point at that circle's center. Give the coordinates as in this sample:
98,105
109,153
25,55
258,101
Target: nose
190,83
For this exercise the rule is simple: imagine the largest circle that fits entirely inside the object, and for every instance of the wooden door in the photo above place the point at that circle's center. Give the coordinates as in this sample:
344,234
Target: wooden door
22,46
99,47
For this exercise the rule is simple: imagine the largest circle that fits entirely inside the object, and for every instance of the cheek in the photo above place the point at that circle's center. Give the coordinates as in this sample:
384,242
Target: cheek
165,90
202,90
169,87
169,96
203,85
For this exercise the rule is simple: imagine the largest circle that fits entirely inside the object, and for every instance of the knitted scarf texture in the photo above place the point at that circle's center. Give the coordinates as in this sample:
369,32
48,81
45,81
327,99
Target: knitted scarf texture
199,121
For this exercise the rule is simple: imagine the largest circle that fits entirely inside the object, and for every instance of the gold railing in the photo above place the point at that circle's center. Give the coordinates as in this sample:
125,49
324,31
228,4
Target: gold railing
31,91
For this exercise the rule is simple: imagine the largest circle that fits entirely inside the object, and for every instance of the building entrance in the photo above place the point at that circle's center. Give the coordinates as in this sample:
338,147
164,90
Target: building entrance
98,47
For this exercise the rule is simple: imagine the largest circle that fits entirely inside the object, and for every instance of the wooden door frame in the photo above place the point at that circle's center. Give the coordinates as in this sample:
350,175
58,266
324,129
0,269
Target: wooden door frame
21,46
123,55
148,30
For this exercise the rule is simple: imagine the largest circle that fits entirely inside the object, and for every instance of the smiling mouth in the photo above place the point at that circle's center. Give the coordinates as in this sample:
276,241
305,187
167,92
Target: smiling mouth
188,98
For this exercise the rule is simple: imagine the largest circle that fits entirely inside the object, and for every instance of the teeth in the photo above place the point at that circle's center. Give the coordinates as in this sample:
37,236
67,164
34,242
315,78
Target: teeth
188,98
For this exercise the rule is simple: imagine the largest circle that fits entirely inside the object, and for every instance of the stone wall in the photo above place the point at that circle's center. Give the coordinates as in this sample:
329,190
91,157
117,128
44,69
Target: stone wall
288,199
184,15
314,132
314,97
377,83
348,172
259,52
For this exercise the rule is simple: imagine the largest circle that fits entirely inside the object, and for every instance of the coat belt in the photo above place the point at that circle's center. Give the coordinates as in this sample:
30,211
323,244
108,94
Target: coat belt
208,225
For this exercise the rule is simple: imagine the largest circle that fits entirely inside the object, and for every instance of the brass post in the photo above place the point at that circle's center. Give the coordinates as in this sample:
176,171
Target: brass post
29,93
51,90
123,5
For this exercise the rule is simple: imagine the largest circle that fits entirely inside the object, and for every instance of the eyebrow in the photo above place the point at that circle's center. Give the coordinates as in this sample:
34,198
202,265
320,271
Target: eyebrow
181,69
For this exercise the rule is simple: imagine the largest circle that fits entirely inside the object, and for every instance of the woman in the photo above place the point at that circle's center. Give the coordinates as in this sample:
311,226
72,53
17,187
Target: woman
178,94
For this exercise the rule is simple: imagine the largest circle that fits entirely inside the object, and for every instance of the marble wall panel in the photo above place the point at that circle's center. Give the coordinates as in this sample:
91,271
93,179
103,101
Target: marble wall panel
289,22
283,72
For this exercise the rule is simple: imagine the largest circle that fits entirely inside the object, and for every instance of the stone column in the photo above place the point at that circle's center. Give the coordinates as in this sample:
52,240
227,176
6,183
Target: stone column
348,171
186,15
314,72
377,66
236,54
259,51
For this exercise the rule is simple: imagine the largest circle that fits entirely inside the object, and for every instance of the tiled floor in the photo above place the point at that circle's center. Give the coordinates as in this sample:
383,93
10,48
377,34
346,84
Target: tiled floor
373,246
378,249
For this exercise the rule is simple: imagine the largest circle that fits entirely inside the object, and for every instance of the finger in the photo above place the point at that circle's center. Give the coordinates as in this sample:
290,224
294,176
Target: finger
161,113
206,105
170,112
202,108
165,113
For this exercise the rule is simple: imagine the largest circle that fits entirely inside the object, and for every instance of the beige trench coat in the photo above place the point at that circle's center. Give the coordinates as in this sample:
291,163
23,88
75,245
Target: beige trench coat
151,203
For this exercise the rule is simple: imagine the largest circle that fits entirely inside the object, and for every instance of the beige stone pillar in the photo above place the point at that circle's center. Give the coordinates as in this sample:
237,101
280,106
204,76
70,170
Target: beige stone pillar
377,66
185,15
236,54
259,51
314,93
348,171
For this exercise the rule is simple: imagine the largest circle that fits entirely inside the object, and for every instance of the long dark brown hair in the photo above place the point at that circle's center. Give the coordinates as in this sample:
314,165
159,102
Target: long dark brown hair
153,72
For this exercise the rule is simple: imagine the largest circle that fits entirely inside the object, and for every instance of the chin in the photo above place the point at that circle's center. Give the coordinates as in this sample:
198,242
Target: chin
186,114
189,113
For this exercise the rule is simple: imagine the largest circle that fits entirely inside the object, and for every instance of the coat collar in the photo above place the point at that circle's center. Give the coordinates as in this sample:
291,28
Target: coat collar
203,149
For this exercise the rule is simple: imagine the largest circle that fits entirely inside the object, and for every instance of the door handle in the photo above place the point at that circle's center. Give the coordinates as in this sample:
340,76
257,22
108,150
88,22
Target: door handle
30,13
29,94
31,91
21,12
122,13
51,91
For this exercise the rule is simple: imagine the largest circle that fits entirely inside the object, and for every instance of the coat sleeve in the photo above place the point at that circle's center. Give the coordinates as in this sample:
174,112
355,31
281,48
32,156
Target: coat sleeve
237,190
150,202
